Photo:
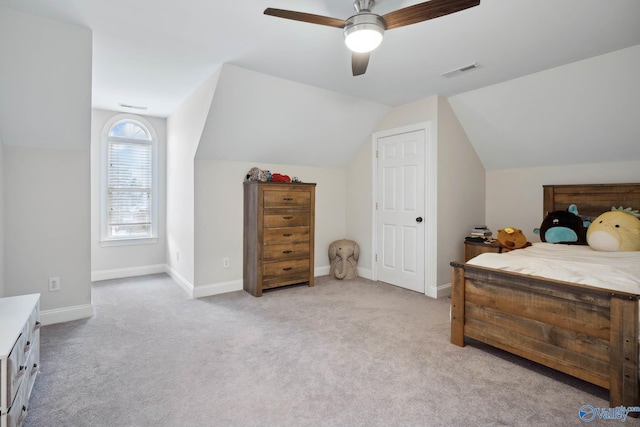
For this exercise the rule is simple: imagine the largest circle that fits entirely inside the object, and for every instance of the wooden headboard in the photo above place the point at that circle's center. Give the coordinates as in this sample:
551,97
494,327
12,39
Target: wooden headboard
591,199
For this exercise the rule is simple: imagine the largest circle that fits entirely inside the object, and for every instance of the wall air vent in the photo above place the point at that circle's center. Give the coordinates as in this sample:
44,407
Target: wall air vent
134,107
461,70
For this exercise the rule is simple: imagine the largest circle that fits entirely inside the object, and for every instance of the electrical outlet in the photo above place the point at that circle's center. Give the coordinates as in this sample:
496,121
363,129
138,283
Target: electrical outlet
225,262
54,284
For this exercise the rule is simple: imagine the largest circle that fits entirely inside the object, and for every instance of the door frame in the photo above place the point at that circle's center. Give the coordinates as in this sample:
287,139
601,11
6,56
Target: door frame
430,200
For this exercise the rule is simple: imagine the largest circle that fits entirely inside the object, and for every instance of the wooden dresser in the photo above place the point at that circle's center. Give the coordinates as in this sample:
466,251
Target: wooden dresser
279,225
19,356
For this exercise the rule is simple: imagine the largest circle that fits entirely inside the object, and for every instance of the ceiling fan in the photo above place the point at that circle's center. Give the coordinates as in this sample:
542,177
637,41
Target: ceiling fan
363,31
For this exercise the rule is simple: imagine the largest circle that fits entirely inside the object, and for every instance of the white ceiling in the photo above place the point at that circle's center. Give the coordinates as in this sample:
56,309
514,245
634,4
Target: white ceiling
155,53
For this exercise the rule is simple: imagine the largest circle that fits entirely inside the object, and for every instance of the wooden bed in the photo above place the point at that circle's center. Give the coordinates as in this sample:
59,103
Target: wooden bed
587,332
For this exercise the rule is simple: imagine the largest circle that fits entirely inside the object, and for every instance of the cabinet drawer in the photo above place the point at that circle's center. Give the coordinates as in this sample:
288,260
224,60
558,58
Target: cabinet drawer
286,251
294,267
284,281
278,236
32,366
16,366
284,199
18,411
286,219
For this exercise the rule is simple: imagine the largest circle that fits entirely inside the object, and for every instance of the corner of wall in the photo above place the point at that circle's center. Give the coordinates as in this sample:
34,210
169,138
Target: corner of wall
461,188
184,132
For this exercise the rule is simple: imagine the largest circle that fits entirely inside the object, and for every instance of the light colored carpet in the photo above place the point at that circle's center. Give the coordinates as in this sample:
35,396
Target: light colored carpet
353,353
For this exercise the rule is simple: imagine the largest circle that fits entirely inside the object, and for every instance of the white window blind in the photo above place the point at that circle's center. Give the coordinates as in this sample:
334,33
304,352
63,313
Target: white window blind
129,190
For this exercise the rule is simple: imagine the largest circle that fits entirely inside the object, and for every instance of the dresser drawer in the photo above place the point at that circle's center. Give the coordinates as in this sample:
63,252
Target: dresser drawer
294,267
278,236
286,218
18,411
284,199
33,363
17,363
286,251
16,366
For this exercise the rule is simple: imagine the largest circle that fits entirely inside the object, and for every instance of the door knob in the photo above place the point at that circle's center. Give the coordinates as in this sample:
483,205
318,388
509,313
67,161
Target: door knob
419,219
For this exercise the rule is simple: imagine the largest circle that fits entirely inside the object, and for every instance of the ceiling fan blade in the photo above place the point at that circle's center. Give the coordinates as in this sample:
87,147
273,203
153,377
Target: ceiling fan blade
359,62
306,17
425,11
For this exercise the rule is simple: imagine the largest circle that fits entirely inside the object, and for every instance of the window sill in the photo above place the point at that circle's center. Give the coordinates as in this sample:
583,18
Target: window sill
128,242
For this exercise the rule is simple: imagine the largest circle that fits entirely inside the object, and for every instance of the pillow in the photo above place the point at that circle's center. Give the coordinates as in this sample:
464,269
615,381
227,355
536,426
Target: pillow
615,231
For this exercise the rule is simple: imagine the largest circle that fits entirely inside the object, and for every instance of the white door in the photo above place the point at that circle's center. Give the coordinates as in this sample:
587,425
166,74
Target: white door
401,210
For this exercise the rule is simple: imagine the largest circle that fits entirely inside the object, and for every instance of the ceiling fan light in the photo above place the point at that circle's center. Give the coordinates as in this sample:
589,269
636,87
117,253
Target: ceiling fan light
364,32
363,40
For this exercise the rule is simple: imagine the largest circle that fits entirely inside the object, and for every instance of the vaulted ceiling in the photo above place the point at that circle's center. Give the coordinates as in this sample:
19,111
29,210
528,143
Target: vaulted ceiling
555,81
154,53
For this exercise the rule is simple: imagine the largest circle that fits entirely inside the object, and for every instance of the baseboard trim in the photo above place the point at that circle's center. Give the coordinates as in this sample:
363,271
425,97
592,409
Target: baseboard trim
365,273
321,271
191,290
180,280
217,288
444,290
66,314
120,273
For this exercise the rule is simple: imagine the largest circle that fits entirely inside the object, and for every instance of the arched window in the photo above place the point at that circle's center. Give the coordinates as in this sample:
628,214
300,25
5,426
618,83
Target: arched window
129,152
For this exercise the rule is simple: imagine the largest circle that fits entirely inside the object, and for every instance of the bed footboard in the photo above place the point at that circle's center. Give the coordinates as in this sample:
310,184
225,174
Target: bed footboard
587,332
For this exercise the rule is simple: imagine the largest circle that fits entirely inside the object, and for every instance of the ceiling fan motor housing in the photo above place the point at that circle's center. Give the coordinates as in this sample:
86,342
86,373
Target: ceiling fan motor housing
363,5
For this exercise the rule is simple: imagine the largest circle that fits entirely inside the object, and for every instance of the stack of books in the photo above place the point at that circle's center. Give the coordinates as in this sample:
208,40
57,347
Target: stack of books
481,231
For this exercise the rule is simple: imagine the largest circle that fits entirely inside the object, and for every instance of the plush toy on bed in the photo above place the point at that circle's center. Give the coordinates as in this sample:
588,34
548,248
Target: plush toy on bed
564,227
615,231
512,238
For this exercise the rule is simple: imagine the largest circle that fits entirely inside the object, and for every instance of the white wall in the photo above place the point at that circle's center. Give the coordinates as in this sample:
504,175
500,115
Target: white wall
257,117
45,117
359,202
184,131
460,183
47,224
122,261
514,196
219,215
45,82
461,189
2,277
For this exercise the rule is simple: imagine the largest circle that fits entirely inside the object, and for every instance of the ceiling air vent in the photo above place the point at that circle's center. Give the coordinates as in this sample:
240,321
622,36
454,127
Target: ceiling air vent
461,70
134,107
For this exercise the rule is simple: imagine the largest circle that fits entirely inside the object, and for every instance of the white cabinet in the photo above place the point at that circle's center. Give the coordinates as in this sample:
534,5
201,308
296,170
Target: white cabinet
19,356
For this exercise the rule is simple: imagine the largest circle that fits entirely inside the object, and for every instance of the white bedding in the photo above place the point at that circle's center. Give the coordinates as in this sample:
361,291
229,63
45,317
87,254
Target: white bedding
571,263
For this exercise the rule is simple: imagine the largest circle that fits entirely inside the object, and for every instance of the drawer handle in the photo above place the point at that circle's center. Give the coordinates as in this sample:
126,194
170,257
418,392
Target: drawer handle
288,268
287,199
287,234
23,415
287,251
37,326
34,368
287,217
27,346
